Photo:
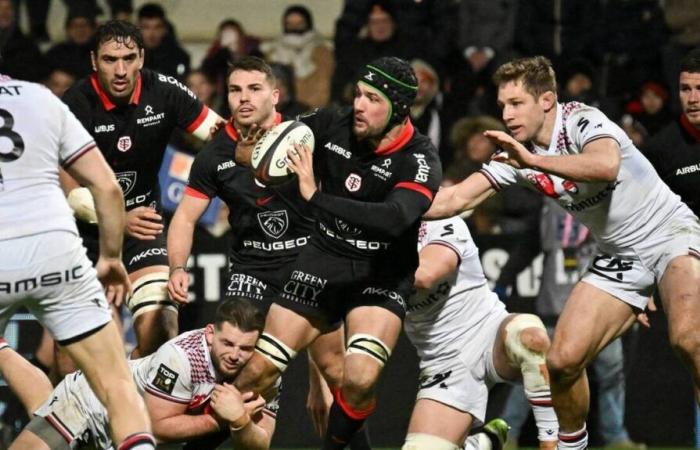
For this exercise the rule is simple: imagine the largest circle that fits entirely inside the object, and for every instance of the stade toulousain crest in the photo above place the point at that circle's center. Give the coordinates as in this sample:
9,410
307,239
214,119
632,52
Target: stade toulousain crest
124,143
273,223
127,181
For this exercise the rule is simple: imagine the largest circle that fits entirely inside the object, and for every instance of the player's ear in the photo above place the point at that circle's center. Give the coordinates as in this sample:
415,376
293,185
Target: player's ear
209,333
93,60
548,100
142,56
275,96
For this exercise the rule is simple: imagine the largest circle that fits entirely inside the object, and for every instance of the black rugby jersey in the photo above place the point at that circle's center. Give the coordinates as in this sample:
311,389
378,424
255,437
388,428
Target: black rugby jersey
675,154
133,137
370,201
269,224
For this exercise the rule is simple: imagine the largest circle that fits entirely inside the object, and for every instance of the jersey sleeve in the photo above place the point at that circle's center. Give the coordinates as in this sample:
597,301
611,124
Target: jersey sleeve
202,181
188,110
588,124
74,139
421,173
168,375
500,175
452,233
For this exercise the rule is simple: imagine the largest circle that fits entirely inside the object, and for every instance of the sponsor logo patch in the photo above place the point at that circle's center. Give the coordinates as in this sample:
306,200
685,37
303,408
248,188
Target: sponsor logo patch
165,379
273,223
126,180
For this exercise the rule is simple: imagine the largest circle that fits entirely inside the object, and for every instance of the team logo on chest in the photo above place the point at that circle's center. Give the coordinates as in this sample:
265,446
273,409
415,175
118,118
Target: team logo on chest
346,228
127,181
124,143
353,182
273,223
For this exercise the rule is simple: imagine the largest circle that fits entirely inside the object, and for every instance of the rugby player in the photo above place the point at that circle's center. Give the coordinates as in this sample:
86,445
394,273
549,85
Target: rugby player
378,176
44,266
675,150
131,112
645,234
185,385
270,224
467,342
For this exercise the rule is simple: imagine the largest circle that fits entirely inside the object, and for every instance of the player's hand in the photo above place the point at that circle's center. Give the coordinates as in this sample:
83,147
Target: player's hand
301,162
178,286
515,154
642,317
318,404
112,274
227,402
144,223
246,143
253,403
216,127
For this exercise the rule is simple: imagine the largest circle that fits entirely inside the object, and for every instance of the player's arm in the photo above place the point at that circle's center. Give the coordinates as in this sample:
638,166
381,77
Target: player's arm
437,262
251,428
170,421
599,159
463,196
206,124
180,236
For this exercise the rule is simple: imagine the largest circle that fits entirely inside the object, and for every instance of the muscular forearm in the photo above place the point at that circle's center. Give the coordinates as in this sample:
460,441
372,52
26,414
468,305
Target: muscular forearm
180,234
588,167
183,427
251,437
109,206
461,197
391,217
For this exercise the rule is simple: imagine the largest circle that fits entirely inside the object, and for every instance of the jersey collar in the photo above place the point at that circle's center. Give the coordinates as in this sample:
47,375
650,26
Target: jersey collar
231,128
104,98
397,144
690,128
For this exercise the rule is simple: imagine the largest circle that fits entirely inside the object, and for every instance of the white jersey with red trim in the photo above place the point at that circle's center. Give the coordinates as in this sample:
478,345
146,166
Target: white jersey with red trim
619,214
440,320
38,133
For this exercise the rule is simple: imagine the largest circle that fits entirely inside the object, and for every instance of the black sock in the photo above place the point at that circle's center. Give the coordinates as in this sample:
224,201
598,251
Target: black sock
360,440
341,428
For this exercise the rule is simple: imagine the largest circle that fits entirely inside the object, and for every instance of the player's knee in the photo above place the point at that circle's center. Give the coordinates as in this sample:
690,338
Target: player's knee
425,441
150,293
535,339
564,364
330,365
685,341
526,342
359,382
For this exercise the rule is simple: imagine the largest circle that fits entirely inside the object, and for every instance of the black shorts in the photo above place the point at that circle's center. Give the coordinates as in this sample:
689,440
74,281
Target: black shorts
262,285
327,286
136,253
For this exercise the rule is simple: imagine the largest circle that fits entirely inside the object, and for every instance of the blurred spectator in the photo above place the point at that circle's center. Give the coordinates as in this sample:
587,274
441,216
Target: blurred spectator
163,53
559,30
309,54
287,103
651,109
578,83
73,54
470,147
633,34
231,43
58,81
123,11
383,37
21,57
203,87
426,112
683,23
38,12
567,251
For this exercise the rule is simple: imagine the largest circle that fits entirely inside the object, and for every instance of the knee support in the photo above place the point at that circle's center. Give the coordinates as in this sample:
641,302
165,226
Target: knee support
424,441
275,351
83,205
368,345
150,293
531,362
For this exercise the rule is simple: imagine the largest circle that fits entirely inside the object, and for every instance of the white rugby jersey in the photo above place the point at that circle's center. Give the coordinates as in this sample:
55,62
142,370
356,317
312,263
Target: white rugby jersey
37,135
181,371
619,214
439,319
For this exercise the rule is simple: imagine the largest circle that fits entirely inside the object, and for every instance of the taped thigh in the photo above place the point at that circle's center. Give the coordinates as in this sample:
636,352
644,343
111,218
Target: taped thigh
150,293
368,345
275,351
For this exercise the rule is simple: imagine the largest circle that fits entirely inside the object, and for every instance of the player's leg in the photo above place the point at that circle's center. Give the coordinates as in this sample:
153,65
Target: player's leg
680,294
286,333
30,441
328,352
154,314
590,320
436,426
100,357
26,381
519,353
372,334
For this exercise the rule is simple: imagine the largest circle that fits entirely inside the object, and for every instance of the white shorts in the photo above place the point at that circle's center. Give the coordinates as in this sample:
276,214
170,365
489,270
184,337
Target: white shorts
75,413
463,382
50,275
631,274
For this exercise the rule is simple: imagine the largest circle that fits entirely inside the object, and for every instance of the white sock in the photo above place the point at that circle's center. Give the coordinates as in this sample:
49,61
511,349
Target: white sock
478,441
545,417
578,440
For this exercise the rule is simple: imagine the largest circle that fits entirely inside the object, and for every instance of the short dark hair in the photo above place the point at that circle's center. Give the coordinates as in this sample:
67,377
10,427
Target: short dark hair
151,11
119,31
691,61
241,313
250,64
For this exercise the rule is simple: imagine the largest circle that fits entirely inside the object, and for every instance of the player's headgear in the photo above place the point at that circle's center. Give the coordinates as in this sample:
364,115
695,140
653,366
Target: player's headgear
395,78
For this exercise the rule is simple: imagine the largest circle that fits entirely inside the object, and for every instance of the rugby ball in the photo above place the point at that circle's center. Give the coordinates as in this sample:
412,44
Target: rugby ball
270,152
